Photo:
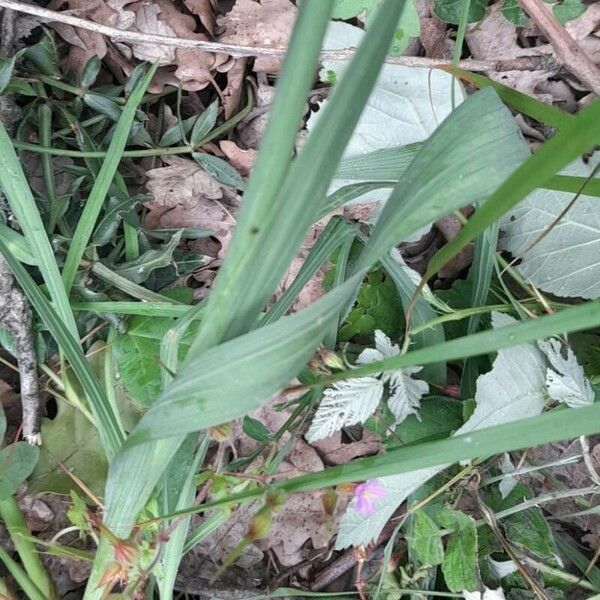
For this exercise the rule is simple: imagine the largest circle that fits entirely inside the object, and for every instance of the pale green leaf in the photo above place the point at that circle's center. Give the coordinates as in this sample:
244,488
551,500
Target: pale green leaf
566,260
513,390
566,380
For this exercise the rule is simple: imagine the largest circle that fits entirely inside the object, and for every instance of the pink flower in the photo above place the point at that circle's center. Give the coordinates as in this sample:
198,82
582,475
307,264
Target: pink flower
366,494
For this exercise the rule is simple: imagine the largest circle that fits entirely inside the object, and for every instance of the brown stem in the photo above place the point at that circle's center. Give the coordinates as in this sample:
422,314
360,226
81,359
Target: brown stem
568,51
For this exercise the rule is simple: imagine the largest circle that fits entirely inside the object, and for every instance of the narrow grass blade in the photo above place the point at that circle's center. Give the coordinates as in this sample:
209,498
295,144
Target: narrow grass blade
422,313
523,103
249,274
18,193
103,181
565,183
547,428
17,244
181,484
442,178
576,318
575,138
334,235
107,421
146,309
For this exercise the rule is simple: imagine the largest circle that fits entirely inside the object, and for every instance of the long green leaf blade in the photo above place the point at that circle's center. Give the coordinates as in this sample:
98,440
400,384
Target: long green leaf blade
18,193
108,422
103,181
574,138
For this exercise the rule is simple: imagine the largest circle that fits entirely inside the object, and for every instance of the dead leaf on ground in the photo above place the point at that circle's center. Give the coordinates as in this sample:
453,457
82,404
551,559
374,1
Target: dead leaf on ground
252,128
240,159
495,38
334,452
184,195
191,67
268,23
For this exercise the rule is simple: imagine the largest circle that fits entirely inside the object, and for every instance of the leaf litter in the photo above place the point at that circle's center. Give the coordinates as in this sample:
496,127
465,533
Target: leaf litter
183,195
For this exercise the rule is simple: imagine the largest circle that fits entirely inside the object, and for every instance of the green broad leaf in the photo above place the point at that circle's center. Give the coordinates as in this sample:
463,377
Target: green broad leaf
513,13
566,261
43,56
460,567
73,440
567,10
426,540
416,101
527,528
441,180
408,26
16,464
449,10
376,307
220,170
438,417
204,124
255,429
137,353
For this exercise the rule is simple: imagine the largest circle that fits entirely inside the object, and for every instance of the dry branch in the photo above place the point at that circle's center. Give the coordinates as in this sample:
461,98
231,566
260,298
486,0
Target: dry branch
529,63
568,51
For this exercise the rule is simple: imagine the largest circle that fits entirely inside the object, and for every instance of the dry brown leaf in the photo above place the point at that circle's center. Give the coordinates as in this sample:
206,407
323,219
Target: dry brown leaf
495,38
191,67
233,90
240,159
434,39
253,127
334,452
203,10
268,23
185,196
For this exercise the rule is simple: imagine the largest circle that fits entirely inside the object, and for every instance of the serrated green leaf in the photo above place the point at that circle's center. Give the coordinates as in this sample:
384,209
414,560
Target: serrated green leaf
16,464
460,567
137,353
513,13
438,417
567,10
449,10
426,539
526,528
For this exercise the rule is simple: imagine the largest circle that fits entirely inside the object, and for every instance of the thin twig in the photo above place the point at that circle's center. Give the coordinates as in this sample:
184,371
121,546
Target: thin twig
15,313
568,51
527,63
